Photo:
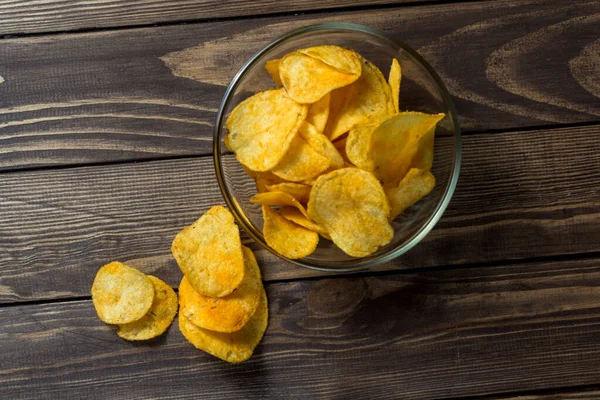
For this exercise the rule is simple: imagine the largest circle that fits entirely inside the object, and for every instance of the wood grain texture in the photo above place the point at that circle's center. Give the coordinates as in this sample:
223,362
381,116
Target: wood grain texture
153,92
566,394
438,334
520,195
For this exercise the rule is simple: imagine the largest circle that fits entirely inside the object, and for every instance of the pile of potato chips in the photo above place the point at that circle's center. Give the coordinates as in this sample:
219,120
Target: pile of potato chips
331,150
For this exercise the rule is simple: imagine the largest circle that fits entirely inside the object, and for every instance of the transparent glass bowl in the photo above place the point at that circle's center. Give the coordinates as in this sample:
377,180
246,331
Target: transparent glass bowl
421,90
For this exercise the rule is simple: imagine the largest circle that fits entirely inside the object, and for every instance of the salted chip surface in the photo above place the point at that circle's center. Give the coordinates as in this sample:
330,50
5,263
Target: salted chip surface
232,347
369,98
340,58
294,215
209,253
307,79
224,314
351,205
278,199
157,319
287,238
319,112
265,179
121,294
394,79
299,191
395,142
262,127
417,184
358,146
300,162
321,144
272,67
423,158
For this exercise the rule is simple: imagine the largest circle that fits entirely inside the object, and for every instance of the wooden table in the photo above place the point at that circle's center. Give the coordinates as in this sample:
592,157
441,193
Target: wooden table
106,116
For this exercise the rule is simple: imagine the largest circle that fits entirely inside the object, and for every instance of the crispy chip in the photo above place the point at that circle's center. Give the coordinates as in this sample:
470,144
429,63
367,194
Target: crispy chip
308,79
395,142
121,294
294,215
266,179
262,127
416,184
394,81
340,58
321,144
231,347
299,191
319,112
300,162
157,319
340,145
358,146
224,314
369,98
423,158
351,205
287,238
278,199
209,253
272,67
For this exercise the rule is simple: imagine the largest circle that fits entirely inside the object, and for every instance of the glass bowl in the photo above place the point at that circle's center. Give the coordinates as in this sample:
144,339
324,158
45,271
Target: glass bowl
421,90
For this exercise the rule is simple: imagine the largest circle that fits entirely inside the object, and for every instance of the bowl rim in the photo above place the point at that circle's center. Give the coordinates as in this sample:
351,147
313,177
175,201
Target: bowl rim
358,263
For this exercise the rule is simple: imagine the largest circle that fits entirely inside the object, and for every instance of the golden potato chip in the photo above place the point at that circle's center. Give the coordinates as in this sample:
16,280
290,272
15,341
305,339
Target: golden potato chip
369,98
262,127
224,314
319,112
394,81
300,162
340,58
358,146
231,347
209,253
294,215
287,238
121,294
308,79
321,144
351,205
278,199
157,319
395,142
340,145
272,67
264,180
299,191
416,184
423,158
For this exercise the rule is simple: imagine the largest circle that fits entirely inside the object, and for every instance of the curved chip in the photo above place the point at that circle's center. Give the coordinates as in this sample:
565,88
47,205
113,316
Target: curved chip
209,253
287,238
318,113
395,142
394,79
340,58
416,184
224,314
121,294
231,347
262,127
299,191
369,98
358,146
272,67
423,158
157,319
321,144
351,205
300,162
308,79
294,215
278,199
265,179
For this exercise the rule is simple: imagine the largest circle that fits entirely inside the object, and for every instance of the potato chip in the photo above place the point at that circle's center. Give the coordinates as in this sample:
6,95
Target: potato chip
121,294
287,238
262,127
394,81
264,180
321,144
340,58
278,199
308,79
232,347
358,146
294,215
340,145
369,98
300,162
299,191
319,112
423,158
224,314
272,67
416,184
209,253
351,205
157,319
395,142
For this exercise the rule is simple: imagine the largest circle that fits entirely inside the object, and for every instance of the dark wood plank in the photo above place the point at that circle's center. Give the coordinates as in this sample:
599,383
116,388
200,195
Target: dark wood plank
153,92
520,195
566,394
437,334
